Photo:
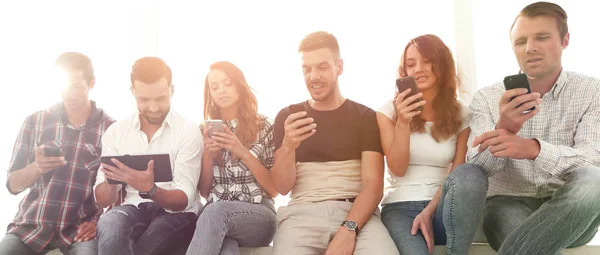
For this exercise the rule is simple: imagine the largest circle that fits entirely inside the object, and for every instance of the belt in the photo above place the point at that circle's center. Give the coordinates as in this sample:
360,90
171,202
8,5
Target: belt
349,200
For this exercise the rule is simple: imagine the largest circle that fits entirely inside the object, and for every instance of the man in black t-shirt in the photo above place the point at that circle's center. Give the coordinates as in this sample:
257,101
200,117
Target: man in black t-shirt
328,153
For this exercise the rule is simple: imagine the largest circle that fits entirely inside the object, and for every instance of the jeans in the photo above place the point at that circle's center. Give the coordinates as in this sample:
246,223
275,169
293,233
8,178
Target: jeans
148,230
224,226
12,245
569,218
456,219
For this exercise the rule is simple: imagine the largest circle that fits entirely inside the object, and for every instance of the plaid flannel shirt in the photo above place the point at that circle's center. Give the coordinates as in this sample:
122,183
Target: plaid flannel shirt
61,199
232,180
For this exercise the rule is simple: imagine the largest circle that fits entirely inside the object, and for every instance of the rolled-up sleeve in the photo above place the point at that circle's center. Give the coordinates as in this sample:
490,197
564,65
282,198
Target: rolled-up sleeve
187,163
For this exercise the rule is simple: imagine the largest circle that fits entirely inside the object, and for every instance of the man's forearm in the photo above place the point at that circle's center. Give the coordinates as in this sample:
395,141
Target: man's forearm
174,200
365,204
106,194
21,180
284,170
206,176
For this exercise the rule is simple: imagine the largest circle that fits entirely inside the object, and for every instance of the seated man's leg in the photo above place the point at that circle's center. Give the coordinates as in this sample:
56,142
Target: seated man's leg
570,216
303,229
461,205
82,248
118,230
374,238
11,245
166,232
504,214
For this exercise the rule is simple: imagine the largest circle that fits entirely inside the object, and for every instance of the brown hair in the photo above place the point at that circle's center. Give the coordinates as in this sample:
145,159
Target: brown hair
76,61
319,40
445,104
546,9
150,69
248,120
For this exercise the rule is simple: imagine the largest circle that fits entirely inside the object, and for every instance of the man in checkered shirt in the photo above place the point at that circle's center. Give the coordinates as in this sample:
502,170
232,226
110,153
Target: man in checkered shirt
59,212
542,164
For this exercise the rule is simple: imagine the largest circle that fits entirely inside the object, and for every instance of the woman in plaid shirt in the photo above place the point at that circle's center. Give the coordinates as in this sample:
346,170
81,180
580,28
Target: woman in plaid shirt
236,165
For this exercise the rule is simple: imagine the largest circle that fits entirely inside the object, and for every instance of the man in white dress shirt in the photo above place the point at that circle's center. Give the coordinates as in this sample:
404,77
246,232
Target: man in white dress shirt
154,218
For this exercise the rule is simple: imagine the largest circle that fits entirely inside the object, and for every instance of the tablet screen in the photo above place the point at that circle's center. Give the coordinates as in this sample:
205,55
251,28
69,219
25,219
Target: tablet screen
162,165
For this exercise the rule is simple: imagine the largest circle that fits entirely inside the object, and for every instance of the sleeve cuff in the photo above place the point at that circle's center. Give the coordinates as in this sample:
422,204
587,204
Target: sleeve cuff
487,162
548,158
189,193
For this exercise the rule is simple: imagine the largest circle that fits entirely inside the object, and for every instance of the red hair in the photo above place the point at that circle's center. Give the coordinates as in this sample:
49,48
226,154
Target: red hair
247,119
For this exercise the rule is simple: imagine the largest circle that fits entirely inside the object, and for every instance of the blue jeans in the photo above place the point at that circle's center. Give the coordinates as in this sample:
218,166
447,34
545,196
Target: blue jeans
12,245
224,226
456,219
569,218
148,230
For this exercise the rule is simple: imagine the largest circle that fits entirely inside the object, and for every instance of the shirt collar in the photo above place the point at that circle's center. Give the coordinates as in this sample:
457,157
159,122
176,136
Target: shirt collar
560,83
168,121
231,124
58,110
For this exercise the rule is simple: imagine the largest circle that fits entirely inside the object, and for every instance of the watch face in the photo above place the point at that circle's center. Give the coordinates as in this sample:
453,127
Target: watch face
350,225
144,195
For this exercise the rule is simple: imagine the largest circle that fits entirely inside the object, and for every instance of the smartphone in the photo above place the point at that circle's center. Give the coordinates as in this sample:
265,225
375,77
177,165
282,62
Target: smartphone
517,81
409,82
294,108
50,151
215,126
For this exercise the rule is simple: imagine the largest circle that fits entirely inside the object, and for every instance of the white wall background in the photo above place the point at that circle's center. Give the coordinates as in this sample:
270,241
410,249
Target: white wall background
261,37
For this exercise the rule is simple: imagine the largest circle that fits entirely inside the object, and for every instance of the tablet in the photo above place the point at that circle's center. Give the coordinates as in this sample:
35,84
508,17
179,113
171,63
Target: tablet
162,165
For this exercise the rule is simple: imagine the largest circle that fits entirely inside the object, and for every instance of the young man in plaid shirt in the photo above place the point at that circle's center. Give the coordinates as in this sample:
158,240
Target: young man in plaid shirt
59,211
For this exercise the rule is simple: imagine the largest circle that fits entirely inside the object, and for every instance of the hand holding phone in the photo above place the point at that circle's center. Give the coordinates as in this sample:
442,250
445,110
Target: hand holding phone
298,127
215,126
518,81
45,159
517,103
406,83
408,102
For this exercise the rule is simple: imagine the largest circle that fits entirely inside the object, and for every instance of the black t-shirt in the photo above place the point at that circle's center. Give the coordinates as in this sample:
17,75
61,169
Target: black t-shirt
342,134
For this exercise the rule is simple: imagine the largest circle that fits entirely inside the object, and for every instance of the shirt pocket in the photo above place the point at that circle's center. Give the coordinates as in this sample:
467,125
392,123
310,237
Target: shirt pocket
90,156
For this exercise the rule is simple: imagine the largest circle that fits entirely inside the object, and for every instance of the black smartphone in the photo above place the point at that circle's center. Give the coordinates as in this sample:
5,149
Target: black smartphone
409,82
50,151
517,81
294,108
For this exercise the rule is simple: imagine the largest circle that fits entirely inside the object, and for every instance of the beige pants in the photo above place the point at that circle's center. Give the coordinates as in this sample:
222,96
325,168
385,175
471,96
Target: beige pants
307,229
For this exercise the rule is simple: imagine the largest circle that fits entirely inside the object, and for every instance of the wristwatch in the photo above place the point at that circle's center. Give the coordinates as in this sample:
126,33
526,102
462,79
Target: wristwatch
350,225
149,194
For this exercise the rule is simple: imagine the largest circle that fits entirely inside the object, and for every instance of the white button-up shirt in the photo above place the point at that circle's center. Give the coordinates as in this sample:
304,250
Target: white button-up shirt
567,128
179,138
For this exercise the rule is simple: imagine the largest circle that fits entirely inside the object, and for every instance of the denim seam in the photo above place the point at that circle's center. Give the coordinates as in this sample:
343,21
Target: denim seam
452,183
245,213
166,236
